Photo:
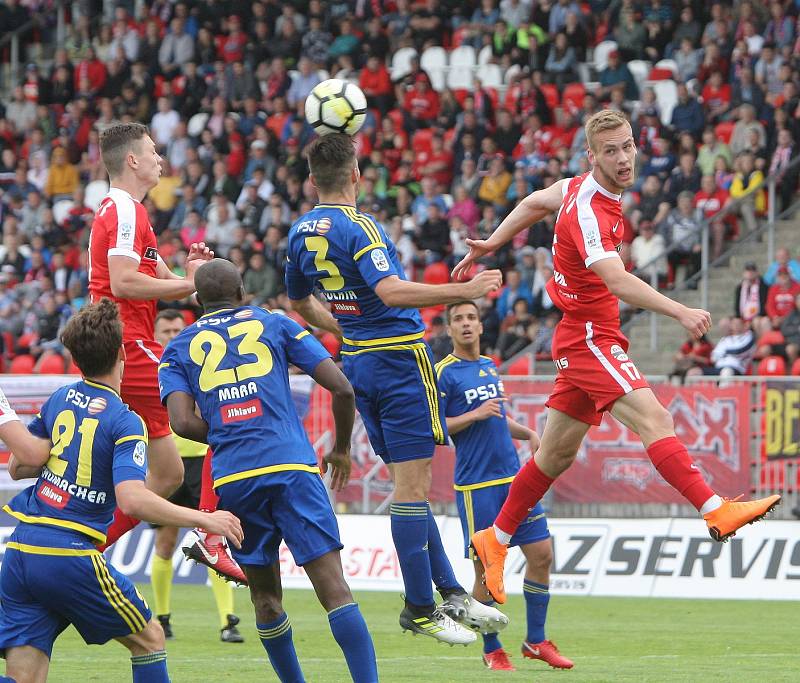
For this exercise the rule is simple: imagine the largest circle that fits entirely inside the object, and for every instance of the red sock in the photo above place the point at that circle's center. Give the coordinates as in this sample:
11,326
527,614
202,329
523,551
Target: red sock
675,465
208,498
527,489
121,525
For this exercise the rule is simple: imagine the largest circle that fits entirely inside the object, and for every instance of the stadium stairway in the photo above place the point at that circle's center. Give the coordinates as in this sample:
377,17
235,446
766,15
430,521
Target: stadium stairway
722,284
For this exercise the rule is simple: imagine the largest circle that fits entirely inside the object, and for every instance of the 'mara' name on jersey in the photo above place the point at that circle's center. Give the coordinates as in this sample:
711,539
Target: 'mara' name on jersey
484,450
234,362
345,253
98,442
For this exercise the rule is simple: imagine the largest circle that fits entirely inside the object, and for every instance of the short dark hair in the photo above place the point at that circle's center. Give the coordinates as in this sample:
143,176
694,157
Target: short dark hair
168,314
466,302
116,142
94,336
331,159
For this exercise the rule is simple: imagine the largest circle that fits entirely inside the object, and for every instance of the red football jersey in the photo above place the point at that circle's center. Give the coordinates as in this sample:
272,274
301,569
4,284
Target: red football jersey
589,227
121,227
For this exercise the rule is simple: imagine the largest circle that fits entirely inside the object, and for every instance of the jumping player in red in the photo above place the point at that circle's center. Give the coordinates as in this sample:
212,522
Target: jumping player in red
124,266
595,373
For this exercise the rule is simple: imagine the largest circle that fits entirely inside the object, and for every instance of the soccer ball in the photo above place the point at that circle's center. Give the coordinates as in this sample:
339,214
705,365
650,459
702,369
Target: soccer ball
336,106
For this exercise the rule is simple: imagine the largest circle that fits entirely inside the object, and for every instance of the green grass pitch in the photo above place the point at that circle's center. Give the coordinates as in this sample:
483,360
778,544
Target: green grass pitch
610,639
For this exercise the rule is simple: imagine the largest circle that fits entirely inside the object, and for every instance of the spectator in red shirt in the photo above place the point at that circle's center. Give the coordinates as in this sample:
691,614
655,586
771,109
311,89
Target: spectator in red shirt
438,162
708,201
781,296
716,98
90,70
232,47
376,84
421,103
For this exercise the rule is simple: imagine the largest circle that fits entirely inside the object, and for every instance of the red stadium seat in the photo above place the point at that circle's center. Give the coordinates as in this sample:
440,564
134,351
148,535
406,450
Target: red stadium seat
25,341
724,131
572,97
550,93
660,74
188,316
52,364
521,366
22,365
796,367
772,366
73,369
436,274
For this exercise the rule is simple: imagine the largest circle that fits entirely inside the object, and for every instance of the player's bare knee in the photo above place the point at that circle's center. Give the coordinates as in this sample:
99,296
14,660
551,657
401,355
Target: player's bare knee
656,424
539,558
556,458
336,593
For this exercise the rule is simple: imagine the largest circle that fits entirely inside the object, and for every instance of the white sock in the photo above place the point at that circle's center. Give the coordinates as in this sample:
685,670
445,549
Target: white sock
502,536
711,504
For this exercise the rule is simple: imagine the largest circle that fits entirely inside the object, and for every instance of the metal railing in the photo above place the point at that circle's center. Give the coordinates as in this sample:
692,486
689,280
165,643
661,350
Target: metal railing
701,277
14,40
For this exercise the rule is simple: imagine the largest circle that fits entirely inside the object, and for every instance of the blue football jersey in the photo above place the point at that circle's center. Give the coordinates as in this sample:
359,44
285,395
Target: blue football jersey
98,442
484,450
345,253
235,364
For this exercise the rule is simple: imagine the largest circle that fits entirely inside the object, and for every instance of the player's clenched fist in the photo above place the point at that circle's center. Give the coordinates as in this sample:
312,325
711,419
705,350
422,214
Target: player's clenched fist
696,321
226,524
483,283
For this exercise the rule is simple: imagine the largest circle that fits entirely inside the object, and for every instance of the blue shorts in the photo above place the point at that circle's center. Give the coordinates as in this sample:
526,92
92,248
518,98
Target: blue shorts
478,508
291,506
52,578
398,398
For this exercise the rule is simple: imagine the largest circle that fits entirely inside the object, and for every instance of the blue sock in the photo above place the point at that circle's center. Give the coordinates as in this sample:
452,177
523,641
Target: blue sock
6,679
350,631
276,637
410,535
537,597
441,569
491,641
150,668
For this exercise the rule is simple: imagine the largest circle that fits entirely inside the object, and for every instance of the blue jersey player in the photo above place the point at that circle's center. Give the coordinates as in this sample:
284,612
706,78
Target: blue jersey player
346,256
89,452
234,364
486,462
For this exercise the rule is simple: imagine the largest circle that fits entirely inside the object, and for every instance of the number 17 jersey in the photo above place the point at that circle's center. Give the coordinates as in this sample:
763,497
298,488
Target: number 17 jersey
235,364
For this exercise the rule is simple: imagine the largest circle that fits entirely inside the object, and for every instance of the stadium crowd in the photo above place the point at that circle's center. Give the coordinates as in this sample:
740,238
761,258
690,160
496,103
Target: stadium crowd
222,87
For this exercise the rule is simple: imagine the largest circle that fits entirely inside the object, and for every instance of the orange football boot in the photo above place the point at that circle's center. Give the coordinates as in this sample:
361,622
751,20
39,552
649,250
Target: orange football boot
492,554
732,515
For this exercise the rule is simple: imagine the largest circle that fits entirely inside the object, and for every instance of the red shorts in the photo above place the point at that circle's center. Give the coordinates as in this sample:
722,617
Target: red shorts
140,385
593,369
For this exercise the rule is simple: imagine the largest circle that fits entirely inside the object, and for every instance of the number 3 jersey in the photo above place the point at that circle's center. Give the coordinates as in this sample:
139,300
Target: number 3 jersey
485,453
98,442
234,363
346,254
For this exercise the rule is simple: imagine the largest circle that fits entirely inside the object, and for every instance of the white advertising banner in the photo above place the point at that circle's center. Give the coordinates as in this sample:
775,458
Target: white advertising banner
672,558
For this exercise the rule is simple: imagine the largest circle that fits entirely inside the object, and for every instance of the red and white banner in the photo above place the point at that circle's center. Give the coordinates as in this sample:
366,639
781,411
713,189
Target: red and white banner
611,467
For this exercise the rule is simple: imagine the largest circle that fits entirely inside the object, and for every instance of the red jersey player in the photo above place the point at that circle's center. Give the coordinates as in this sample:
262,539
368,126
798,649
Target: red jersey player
124,266
595,373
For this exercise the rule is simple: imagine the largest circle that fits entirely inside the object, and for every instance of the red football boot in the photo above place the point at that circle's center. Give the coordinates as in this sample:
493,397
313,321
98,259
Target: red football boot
498,660
212,551
547,652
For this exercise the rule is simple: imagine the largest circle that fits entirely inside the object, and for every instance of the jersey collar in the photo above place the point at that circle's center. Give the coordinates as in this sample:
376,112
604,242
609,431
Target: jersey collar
603,191
99,385
218,311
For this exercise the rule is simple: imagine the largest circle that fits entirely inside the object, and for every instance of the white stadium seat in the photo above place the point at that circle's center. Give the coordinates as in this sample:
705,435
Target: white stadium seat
511,73
61,210
434,62
485,55
462,56
640,70
94,194
401,61
491,75
197,124
667,97
601,54
459,78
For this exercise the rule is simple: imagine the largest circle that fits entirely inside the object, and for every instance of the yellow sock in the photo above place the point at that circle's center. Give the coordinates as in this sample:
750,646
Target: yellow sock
223,596
161,581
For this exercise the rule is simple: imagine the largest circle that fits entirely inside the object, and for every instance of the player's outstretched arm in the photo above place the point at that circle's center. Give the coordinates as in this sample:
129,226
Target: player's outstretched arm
343,406
397,293
316,314
184,420
638,293
532,209
136,500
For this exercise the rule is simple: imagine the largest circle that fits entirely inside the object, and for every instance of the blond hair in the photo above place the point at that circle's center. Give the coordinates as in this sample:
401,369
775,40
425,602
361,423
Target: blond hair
606,119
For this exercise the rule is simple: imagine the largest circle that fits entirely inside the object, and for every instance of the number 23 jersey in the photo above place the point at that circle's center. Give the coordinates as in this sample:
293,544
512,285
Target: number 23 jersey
235,364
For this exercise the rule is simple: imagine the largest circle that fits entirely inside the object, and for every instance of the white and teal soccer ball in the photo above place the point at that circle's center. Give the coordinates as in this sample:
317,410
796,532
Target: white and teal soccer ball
336,106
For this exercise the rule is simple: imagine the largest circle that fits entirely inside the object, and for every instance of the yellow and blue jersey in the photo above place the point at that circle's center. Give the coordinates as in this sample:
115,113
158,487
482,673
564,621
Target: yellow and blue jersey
234,364
98,442
345,254
485,454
